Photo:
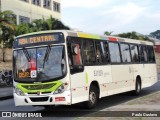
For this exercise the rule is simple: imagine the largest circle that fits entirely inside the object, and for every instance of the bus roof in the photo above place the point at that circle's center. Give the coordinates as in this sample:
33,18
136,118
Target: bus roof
89,35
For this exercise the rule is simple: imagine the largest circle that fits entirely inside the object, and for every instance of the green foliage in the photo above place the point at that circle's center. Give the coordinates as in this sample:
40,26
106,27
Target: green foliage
133,35
155,34
108,33
40,25
7,26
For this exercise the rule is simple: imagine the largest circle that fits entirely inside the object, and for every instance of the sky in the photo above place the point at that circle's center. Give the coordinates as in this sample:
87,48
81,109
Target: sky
118,16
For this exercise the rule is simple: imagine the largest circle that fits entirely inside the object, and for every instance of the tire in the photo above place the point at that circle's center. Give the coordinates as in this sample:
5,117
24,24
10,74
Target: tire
137,90
93,98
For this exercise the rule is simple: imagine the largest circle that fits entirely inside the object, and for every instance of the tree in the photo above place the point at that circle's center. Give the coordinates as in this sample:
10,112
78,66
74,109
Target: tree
155,34
7,27
55,24
40,25
108,33
133,35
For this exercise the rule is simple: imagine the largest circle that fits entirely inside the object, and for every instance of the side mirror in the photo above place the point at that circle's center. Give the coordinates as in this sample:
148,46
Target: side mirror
76,69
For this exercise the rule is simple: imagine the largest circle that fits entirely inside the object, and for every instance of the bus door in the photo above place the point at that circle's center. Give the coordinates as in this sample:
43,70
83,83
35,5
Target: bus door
77,76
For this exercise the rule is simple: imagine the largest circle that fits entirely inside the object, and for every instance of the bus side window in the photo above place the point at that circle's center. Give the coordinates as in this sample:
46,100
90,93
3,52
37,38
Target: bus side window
102,52
88,52
114,52
99,54
151,56
107,52
143,54
134,53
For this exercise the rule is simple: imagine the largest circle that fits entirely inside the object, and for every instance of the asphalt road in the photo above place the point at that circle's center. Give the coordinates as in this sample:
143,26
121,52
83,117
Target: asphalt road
74,111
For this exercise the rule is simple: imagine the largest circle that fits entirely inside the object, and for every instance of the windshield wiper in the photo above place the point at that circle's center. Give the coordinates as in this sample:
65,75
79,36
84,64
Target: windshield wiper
46,55
26,54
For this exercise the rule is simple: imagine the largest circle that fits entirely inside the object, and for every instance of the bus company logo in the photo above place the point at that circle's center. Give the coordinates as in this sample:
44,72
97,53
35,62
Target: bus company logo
38,92
6,114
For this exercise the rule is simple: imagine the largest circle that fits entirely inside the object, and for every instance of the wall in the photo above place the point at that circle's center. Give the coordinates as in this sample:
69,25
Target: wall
29,10
8,57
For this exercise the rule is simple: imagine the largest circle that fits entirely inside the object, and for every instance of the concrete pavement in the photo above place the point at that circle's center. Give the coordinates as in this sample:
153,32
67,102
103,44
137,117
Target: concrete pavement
6,93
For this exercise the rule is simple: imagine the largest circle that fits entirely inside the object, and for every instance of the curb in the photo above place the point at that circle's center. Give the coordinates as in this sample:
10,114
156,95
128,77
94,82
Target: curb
6,97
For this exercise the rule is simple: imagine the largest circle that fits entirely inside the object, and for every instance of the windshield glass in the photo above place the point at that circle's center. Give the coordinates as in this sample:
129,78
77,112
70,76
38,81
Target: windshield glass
39,64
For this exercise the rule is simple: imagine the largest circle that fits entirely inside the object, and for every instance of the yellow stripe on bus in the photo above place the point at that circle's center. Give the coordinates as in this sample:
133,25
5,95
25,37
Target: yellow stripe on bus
86,78
88,36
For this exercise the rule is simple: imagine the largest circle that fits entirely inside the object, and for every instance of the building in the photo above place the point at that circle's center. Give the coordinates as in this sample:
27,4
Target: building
27,10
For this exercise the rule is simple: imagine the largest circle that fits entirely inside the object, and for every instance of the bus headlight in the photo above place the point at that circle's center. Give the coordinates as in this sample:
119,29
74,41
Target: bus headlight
19,92
61,89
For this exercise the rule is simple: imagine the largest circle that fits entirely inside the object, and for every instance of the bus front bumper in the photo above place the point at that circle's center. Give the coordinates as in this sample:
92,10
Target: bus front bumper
45,99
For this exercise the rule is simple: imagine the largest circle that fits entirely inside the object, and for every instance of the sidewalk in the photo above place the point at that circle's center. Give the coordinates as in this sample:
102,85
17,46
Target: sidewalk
6,93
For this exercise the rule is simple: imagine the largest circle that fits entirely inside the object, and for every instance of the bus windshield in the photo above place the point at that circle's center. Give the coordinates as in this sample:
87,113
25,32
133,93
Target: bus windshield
39,64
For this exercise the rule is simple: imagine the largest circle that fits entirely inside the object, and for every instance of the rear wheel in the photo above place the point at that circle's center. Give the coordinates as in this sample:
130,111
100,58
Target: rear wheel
137,87
93,98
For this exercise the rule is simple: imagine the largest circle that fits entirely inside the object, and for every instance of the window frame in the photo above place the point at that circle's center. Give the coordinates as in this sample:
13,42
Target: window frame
47,7
37,4
57,8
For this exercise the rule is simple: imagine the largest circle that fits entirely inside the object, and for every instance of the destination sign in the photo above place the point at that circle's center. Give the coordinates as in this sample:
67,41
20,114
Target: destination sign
40,39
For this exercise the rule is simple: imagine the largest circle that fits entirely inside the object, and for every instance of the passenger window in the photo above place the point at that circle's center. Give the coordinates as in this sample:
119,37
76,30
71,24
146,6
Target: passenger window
134,53
114,53
89,52
151,56
143,53
107,52
126,57
101,52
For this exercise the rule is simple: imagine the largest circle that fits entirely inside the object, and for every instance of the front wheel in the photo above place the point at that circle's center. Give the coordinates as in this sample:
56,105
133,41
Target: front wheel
93,98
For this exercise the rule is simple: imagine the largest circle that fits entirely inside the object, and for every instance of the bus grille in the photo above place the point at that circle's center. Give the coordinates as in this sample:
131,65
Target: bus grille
39,99
38,87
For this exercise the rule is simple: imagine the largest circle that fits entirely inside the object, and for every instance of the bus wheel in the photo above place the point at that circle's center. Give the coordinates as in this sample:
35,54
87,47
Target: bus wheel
93,98
137,87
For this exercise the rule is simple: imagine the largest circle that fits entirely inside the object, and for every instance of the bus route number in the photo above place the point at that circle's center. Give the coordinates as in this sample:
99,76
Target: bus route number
23,74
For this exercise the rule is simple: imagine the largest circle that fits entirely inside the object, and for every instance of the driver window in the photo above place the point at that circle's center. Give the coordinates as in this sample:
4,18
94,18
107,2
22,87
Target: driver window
74,52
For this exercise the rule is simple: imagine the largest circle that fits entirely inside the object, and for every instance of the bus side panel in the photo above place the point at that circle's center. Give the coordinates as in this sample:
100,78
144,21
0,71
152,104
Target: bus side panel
151,74
80,82
147,73
122,78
